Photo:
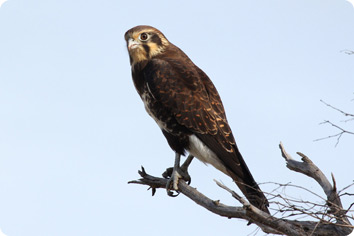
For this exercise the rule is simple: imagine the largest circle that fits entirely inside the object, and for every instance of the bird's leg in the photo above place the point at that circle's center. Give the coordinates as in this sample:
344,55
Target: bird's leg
184,170
175,176
176,173
186,164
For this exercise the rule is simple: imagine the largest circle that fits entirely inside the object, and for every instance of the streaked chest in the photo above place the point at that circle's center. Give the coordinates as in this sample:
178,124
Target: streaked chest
155,108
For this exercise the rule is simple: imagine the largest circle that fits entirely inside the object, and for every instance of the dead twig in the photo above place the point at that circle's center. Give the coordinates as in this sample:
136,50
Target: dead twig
330,217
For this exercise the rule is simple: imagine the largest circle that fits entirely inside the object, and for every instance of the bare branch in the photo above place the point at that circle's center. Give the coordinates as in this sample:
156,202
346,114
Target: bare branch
259,216
193,194
342,131
344,113
308,168
350,185
339,135
329,218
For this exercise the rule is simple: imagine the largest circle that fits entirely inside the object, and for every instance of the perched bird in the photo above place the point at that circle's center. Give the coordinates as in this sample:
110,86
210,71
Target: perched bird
185,104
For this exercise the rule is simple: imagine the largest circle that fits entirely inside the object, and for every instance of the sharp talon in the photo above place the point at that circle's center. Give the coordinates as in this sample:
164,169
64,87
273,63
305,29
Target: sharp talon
171,193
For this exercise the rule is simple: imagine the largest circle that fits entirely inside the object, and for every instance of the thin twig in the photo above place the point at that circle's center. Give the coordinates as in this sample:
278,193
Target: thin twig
350,185
339,135
330,217
344,113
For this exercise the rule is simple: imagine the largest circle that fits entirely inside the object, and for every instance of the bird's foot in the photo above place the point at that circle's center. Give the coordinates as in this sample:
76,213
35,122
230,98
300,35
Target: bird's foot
174,175
181,171
172,184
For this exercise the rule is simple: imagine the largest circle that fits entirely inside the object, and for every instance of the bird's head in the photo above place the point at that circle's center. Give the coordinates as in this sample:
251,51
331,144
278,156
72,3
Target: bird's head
144,42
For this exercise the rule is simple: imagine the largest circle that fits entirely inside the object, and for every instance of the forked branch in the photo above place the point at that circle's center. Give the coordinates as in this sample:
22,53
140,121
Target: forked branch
342,131
338,224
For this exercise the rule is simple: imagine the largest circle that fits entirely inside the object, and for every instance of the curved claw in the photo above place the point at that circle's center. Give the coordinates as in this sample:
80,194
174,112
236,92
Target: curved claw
185,176
171,193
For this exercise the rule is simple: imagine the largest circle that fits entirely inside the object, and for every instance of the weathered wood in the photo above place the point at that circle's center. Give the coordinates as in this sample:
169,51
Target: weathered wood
268,223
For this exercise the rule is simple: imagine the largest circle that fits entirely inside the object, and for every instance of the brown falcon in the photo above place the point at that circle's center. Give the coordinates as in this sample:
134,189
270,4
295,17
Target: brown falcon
185,104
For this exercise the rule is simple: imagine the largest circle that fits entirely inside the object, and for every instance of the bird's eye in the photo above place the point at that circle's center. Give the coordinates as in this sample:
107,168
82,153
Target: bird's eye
143,36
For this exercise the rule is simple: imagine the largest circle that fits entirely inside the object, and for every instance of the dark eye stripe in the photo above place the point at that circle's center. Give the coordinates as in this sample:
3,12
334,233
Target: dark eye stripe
147,49
156,39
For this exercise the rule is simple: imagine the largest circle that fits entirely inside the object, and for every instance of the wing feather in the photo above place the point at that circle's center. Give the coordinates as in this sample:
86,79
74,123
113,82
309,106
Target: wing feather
191,97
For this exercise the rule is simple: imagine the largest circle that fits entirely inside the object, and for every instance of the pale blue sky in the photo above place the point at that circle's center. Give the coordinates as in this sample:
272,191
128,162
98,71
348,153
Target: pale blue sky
73,130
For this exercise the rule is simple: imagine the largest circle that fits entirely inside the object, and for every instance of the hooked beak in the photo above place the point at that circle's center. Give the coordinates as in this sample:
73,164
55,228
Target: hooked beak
132,44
